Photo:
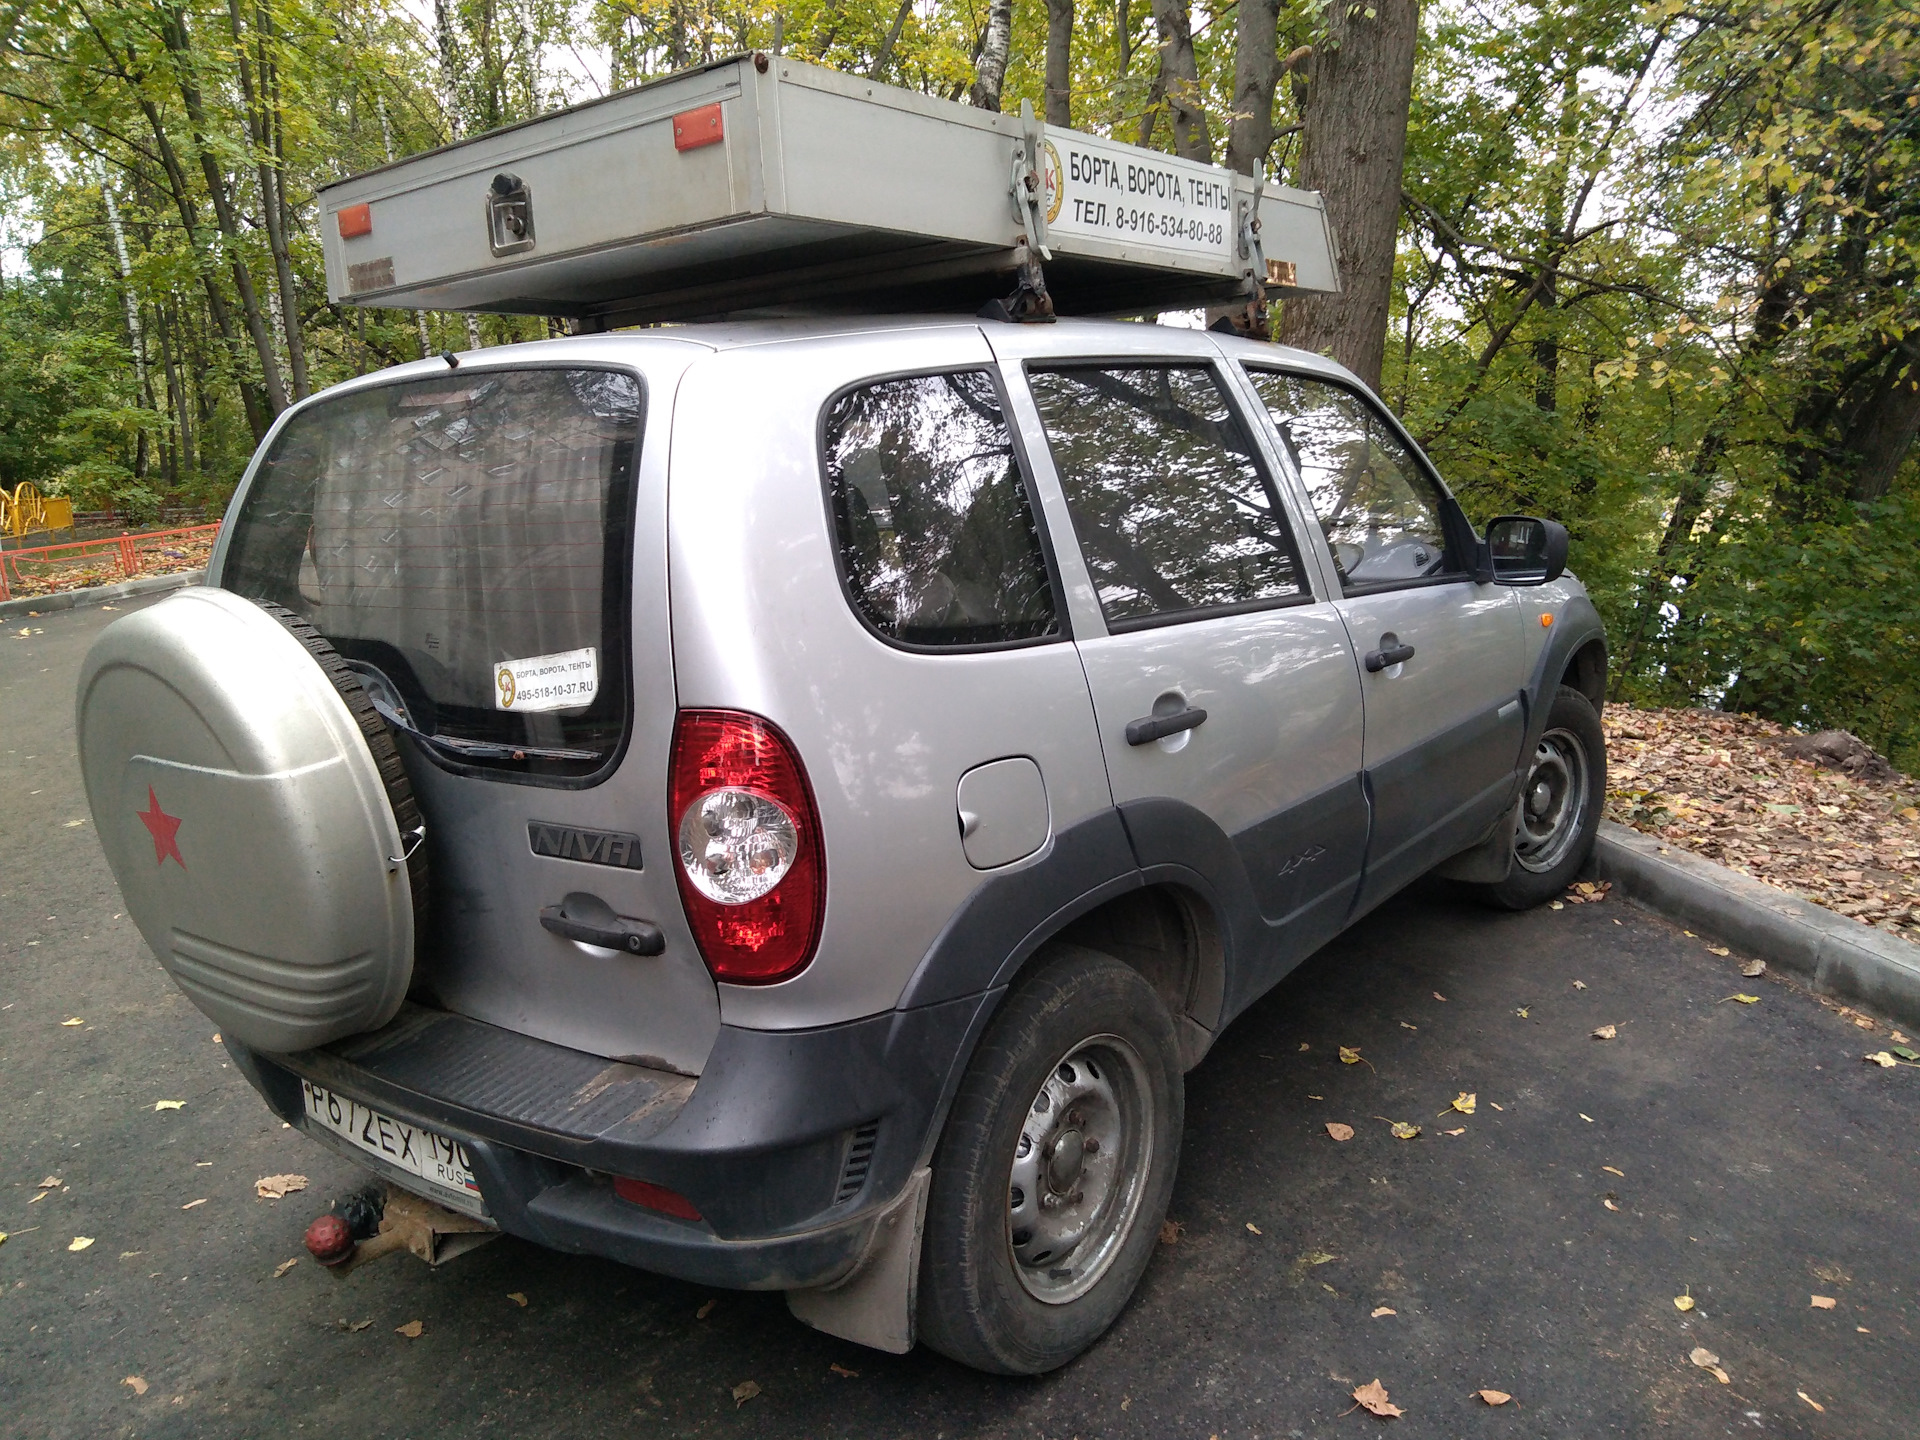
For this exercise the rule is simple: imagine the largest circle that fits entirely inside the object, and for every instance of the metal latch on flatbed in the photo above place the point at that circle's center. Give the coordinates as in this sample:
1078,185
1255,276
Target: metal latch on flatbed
1027,187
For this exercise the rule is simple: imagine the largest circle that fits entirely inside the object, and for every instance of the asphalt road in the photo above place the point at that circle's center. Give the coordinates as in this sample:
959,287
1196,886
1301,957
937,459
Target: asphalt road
1755,1162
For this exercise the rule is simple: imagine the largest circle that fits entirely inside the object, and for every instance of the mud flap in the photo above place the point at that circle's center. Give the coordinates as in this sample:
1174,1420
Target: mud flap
874,1305
1488,861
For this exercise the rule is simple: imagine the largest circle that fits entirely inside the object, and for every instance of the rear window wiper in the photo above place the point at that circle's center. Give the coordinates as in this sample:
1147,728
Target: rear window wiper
465,749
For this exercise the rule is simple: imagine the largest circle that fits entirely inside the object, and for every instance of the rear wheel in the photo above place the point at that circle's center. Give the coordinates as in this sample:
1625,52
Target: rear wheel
1054,1170
1559,807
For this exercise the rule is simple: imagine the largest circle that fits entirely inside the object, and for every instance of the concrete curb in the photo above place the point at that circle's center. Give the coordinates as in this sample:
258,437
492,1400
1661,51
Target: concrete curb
97,594
1832,954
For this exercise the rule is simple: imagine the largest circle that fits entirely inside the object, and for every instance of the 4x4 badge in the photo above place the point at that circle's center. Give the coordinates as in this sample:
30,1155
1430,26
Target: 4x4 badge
163,828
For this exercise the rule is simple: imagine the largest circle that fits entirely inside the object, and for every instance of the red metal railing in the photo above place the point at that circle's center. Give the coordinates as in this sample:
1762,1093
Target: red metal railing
125,553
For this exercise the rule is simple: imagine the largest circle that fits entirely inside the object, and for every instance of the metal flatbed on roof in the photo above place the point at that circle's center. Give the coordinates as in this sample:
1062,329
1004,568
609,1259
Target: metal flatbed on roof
761,184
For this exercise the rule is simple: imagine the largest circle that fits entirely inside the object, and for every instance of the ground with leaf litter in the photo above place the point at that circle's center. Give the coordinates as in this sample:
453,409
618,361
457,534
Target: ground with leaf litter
1580,1236
1733,789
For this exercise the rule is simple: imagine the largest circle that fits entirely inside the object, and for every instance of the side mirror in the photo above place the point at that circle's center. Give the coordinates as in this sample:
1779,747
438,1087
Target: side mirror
1522,550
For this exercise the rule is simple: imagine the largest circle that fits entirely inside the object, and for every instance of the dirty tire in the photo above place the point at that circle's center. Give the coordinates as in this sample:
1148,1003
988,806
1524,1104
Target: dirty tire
373,729
974,1305
1571,723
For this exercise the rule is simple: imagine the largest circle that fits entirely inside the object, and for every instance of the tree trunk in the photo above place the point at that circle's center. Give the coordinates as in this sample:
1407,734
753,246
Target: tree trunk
990,70
885,52
174,35
1256,71
1060,63
271,176
1360,87
1883,430
1181,80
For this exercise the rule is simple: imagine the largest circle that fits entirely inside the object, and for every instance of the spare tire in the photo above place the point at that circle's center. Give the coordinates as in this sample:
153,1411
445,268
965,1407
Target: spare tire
254,811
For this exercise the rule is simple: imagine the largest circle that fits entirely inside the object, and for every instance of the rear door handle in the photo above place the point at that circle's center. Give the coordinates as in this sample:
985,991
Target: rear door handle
1377,660
635,937
1157,727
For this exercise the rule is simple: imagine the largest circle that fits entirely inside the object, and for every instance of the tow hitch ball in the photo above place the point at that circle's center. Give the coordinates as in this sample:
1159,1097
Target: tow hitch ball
380,1220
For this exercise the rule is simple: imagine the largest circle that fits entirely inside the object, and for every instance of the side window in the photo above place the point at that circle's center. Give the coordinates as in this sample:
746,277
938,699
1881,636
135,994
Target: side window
1173,515
936,536
1380,511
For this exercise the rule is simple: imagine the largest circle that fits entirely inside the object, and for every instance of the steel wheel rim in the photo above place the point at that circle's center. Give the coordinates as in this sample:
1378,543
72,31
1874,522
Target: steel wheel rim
1553,803
1071,1205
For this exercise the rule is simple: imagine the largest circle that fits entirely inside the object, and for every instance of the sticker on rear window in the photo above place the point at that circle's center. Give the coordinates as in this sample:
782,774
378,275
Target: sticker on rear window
566,680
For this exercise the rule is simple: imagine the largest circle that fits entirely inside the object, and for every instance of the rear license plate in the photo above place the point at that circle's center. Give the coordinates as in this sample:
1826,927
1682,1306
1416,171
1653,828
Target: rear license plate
441,1162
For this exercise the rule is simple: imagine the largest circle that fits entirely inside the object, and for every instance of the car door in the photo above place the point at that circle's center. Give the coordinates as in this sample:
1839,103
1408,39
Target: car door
1441,655
1194,598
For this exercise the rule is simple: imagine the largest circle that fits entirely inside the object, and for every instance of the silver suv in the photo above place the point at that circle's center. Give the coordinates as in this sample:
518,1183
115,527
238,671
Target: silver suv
782,805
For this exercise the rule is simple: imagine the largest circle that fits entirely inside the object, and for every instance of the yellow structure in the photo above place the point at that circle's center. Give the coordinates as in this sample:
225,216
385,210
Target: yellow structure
26,510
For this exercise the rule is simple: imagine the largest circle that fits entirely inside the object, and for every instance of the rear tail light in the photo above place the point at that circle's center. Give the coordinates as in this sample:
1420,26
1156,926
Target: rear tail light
752,872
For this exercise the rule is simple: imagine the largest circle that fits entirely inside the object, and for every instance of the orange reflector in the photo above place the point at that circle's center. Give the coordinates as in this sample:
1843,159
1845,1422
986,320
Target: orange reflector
655,1197
1546,620
694,128
355,220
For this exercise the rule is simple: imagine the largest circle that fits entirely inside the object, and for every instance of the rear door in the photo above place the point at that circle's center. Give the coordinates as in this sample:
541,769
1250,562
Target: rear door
487,548
1197,599
1441,656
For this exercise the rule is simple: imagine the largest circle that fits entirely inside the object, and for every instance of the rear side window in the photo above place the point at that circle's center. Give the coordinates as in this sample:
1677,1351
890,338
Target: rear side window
1380,511
463,542
935,531
1174,517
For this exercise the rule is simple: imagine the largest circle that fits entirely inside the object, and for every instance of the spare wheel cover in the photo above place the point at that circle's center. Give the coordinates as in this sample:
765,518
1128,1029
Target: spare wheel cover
252,806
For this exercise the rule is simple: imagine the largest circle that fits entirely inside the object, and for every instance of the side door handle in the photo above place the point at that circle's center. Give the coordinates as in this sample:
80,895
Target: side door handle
635,937
1378,660
1149,728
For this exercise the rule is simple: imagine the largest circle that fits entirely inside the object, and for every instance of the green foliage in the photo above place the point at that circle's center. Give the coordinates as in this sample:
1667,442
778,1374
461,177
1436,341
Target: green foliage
1656,277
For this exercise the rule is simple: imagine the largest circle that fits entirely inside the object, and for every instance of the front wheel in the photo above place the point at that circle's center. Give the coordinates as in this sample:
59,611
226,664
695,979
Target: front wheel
1054,1170
1559,808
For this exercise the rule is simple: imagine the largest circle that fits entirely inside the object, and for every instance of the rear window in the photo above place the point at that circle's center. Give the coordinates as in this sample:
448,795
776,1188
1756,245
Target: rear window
463,543
937,540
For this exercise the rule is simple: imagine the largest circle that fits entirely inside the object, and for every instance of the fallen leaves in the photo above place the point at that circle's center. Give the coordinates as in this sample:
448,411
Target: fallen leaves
1587,892
1494,1397
1372,1396
1349,1056
1709,1362
80,1242
1609,1202
76,1020
1718,950
136,1384
1882,1059
353,1327
1339,1131
284,1266
705,1309
413,1329
1255,1229
169,1105
1613,1170
275,1187
1401,1130
1843,841
1811,1401
191,1203
744,1392
1606,1032
1381,1310
1438,996
1743,999
1171,1231
1754,969
52,1182
1461,1131
518,1298
843,1372
1464,1102
1824,1302
1683,1302
1579,984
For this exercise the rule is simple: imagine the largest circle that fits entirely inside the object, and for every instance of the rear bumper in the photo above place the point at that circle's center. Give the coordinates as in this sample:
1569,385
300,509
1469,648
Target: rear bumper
790,1144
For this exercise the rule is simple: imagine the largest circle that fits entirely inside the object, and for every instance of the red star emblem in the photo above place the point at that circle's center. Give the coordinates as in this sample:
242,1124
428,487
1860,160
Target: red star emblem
162,827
